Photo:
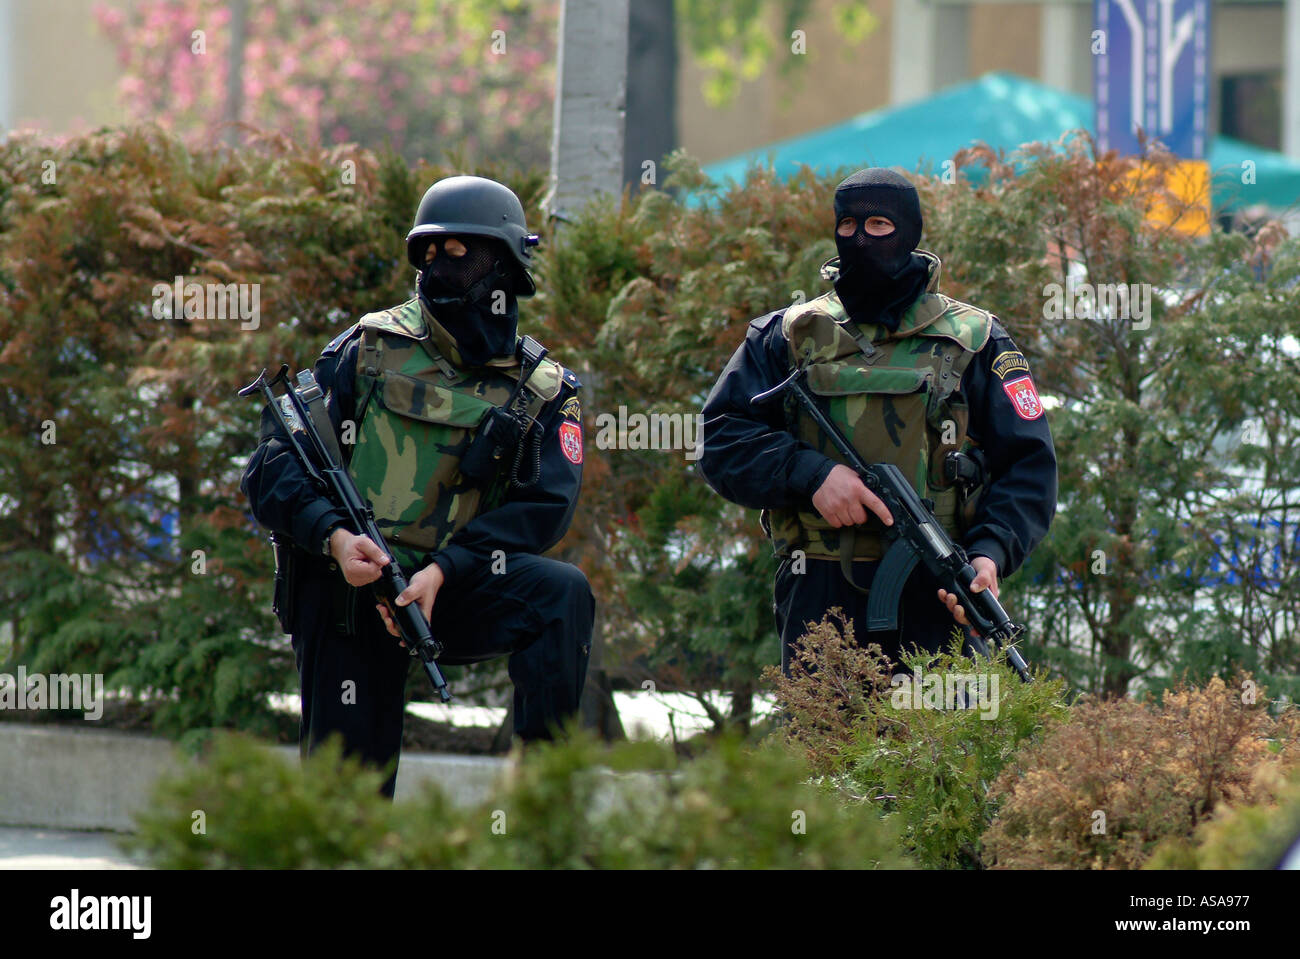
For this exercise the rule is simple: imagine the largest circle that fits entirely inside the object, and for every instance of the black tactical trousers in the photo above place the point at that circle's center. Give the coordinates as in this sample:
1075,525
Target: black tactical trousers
538,611
800,598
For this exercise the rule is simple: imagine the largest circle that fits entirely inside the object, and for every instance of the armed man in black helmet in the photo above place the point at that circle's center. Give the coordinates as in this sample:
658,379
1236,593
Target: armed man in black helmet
467,508
913,378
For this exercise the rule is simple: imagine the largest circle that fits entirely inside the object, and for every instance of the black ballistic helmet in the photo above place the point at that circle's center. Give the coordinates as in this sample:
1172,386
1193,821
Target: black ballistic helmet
474,206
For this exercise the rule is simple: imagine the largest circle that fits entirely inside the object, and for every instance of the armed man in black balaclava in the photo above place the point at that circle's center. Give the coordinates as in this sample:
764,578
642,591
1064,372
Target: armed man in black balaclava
910,376
467,442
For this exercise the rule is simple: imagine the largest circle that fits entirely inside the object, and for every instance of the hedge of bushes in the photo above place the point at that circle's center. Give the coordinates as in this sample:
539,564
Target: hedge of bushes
865,772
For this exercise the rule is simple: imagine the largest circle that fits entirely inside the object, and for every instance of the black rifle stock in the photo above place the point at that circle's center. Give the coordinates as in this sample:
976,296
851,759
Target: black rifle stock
916,537
333,479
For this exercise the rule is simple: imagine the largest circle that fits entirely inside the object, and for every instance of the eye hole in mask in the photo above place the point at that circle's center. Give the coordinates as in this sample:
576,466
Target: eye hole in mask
455,264
874,226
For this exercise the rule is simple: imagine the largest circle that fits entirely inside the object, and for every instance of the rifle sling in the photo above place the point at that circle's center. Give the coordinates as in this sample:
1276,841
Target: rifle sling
847,537
315,404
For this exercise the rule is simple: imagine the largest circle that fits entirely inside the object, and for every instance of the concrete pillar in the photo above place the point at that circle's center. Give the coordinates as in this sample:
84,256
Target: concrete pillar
8,68
929,48
1065,45
951,45
1291,78
590,96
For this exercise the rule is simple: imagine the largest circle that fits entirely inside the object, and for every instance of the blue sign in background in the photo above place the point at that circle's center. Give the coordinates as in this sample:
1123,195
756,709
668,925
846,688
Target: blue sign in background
1155,73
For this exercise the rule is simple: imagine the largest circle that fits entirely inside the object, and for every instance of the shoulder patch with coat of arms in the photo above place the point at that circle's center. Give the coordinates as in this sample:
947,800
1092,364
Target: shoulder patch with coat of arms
1024,398
571,441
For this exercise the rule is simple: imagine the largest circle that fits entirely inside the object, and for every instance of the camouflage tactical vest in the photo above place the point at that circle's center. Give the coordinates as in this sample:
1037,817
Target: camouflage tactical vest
896,405
417,415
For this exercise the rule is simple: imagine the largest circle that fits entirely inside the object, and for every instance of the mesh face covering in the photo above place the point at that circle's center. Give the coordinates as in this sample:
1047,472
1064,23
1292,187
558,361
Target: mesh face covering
879,276
450,277
460,292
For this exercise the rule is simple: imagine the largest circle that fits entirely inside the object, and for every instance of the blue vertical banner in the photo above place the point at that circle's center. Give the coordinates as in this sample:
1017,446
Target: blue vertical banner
1151,69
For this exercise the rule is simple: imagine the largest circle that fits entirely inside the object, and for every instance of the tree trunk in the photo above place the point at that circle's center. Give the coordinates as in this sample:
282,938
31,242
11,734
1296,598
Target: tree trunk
742,706
1121,596
506,731
597,708
587,160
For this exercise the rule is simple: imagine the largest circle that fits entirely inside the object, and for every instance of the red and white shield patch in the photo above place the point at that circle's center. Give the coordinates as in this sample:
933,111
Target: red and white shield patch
571,441
1024,398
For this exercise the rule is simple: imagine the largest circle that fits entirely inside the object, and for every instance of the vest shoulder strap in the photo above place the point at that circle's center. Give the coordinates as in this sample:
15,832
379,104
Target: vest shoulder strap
405,321
967,326
546,380
820,329
828,305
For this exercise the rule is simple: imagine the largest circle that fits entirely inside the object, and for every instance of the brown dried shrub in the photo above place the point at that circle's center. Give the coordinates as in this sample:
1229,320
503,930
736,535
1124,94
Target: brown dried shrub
1105,788
826,699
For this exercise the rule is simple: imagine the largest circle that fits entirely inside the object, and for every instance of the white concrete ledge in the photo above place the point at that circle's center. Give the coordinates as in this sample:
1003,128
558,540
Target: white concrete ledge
64,778
465,780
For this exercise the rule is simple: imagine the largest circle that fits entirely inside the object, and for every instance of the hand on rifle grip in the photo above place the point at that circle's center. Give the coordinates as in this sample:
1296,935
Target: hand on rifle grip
843,499
986,577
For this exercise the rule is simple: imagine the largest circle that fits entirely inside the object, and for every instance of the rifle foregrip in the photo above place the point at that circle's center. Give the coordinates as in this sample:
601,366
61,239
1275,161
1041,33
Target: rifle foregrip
415,630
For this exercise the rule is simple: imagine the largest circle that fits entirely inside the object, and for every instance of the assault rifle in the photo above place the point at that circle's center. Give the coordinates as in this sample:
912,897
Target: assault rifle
305,413
916,537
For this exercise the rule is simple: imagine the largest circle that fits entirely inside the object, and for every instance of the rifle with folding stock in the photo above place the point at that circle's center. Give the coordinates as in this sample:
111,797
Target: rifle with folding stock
332,478
916,537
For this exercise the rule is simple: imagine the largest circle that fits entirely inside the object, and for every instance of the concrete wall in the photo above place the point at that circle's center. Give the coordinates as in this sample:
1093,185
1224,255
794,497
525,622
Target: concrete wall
1005,37
1046,41
1245,38
63,73
835,81
95,779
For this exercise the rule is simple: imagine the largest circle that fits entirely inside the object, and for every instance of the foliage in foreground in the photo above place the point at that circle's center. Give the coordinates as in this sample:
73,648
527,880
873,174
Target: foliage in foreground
1241,837
573,805
1106,788
909,748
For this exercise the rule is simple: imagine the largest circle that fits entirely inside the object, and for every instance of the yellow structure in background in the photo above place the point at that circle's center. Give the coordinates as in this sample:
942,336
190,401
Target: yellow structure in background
1187,185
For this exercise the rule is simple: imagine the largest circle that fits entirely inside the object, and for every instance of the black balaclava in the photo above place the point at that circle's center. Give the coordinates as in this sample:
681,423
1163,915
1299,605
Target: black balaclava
880,276
460,292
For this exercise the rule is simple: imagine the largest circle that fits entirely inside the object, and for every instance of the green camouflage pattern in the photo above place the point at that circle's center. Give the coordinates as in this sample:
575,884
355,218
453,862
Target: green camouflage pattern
895,406
417,416
412,319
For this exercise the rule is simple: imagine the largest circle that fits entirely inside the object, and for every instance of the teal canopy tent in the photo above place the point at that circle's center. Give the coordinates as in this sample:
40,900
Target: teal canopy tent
1004,111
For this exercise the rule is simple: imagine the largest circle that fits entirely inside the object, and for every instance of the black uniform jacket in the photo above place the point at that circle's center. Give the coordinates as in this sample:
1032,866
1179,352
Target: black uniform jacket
532,520
751,457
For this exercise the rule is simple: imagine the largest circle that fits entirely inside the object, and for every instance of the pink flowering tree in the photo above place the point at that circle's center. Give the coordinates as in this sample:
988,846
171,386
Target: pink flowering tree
430,77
